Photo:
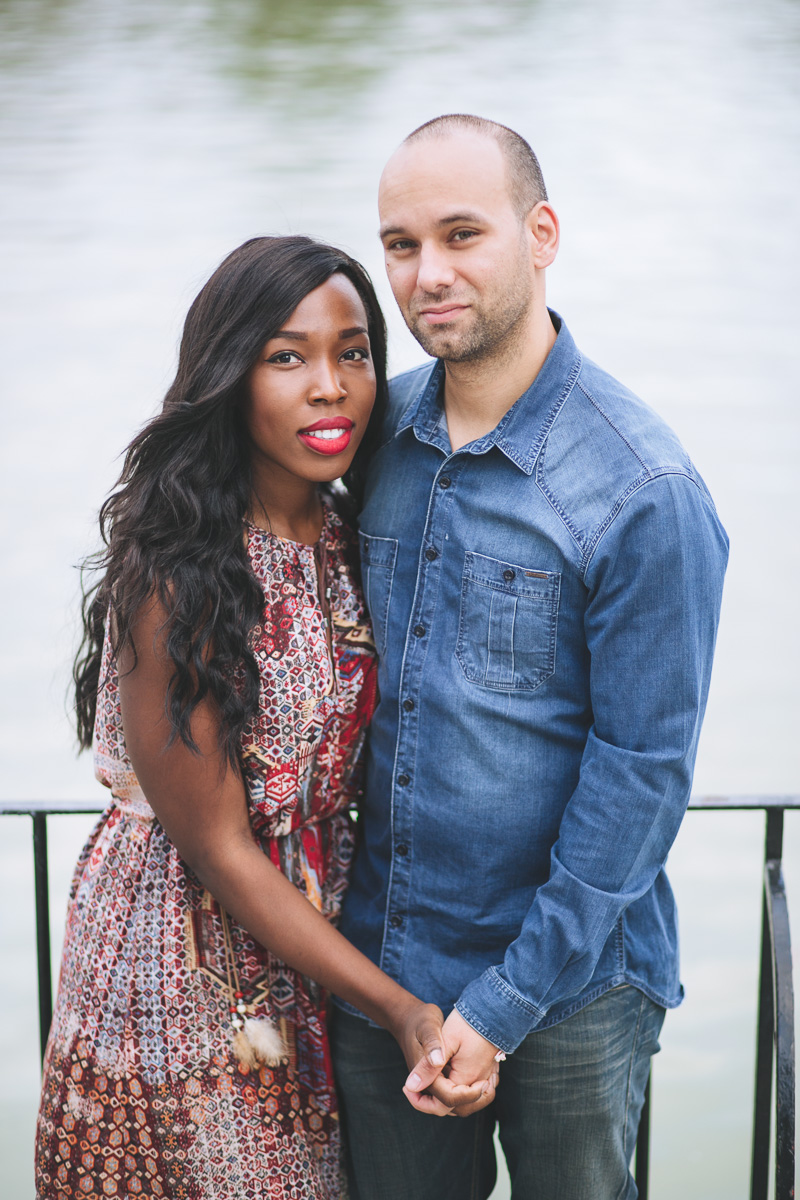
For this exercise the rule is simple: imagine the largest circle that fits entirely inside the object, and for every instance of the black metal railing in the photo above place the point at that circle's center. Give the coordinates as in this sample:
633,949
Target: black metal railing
775,1024
775,1050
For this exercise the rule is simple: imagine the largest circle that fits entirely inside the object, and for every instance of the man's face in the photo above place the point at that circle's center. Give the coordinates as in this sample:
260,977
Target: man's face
457,255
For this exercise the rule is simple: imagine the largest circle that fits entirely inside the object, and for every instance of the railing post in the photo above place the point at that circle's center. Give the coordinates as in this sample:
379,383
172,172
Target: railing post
775,1039
783,1007
642,1171
42,927
759,1177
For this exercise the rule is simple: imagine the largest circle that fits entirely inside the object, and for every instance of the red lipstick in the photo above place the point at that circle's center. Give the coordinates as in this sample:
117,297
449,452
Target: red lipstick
330,435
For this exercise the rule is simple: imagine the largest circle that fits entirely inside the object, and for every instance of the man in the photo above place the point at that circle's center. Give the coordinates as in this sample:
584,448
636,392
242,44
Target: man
543,567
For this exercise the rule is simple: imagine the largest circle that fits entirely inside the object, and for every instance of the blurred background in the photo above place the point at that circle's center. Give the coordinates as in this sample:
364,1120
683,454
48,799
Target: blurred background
140,142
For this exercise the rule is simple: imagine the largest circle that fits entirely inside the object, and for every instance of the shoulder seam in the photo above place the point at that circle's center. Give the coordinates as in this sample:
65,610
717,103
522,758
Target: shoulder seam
646,476
609,422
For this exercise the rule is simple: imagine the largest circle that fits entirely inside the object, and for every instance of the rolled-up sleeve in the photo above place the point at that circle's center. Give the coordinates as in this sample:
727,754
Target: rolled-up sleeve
654,578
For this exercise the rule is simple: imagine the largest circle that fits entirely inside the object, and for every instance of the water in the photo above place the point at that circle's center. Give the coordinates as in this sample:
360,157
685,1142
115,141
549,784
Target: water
139,143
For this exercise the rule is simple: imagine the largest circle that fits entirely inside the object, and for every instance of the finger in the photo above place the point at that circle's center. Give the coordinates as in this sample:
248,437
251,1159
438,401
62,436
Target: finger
486,1098
429,1036
455,1094
428,1068
425,1103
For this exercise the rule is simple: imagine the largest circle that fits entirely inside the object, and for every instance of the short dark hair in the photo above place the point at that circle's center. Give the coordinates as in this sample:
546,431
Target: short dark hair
526,184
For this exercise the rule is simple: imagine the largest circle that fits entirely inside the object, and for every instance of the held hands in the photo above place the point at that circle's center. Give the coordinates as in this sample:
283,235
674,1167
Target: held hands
457,1074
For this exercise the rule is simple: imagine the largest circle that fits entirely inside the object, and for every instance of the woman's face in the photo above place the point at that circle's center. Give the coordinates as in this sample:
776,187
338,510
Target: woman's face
310,395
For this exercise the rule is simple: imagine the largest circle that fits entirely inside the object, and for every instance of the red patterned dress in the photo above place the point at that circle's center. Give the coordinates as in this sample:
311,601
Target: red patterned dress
142,1094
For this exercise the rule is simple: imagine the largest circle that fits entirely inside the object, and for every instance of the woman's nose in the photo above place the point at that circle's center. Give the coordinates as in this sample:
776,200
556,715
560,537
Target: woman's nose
327,386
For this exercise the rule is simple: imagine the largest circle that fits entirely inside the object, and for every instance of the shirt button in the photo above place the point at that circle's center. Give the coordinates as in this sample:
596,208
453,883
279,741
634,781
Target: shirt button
395,921
366,544
402,849
419,631
408,705
431,554
509,575
444,481
403,779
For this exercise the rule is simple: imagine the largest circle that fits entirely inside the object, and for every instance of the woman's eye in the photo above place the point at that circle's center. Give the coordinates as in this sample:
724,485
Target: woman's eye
284,357
355,354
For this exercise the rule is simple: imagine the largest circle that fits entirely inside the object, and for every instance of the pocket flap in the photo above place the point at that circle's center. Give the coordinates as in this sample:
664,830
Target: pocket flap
377,551
510,577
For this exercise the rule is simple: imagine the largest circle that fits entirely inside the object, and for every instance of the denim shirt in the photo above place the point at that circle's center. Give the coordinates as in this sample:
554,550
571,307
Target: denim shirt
545,603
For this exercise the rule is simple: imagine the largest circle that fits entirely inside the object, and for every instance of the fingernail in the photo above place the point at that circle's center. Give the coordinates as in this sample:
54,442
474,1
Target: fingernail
437,1057
413,1082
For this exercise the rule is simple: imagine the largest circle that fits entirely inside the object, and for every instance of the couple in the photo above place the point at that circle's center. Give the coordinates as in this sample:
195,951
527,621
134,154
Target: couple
541,569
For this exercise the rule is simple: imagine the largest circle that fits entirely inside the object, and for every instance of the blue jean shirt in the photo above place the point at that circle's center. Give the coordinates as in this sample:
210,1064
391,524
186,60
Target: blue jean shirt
545,603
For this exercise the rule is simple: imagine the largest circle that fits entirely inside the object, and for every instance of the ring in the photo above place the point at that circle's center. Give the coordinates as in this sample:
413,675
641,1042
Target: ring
500,1056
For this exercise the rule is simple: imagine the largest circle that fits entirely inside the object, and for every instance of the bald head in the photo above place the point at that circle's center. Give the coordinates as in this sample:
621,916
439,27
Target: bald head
526,186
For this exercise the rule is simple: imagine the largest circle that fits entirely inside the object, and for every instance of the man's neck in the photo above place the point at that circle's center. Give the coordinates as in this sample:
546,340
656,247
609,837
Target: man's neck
477,395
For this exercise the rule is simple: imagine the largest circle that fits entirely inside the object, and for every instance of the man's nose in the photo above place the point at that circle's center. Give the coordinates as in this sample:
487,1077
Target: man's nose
327,386
434,272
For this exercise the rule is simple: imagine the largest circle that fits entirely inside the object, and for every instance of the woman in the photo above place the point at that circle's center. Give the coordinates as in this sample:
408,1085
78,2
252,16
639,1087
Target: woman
227,679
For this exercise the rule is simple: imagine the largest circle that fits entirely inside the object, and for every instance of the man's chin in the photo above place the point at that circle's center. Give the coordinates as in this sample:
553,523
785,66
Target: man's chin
442,343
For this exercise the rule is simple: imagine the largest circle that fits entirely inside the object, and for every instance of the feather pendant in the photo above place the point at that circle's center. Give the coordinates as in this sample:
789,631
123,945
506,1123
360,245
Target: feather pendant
259,1043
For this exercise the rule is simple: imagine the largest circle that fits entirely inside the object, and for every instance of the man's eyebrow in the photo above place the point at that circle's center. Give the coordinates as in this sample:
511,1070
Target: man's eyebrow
353,332
471,218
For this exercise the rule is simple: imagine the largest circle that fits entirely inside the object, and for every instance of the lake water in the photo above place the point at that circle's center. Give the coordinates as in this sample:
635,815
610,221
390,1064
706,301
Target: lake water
139,143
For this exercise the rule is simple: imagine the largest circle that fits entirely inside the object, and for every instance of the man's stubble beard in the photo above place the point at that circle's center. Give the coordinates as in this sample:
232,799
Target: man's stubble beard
492,335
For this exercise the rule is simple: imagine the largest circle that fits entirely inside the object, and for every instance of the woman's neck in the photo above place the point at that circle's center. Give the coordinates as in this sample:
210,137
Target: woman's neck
293,512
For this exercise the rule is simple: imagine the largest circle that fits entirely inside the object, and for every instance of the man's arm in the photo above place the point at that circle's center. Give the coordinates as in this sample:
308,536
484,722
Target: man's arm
655,583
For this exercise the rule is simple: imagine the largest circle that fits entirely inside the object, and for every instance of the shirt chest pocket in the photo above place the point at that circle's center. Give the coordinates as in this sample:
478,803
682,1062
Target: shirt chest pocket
507,624
378,558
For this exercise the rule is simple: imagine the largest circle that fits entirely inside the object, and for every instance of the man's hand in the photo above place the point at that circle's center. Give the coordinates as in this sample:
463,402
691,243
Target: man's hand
467,1083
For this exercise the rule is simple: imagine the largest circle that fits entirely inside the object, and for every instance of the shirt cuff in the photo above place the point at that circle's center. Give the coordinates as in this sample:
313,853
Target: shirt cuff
496,1011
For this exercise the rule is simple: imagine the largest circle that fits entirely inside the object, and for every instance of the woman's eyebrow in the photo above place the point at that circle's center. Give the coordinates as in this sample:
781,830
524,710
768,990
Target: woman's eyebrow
290,333
352,332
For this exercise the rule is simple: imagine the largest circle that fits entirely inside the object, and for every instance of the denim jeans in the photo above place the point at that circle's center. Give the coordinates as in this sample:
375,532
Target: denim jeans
567,1106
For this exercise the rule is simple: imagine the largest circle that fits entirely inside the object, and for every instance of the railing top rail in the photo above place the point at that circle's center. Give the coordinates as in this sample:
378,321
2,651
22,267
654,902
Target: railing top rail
50,808
712,803
55,808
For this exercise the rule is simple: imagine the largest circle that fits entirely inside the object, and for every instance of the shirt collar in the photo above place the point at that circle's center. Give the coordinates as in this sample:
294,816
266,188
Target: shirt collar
520,433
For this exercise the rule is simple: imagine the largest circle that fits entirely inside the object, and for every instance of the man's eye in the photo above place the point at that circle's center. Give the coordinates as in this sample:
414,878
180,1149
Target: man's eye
284,357
463,235
400,245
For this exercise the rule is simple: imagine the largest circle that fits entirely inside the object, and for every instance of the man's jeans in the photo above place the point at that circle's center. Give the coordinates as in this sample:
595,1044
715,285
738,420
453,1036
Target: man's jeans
568,1107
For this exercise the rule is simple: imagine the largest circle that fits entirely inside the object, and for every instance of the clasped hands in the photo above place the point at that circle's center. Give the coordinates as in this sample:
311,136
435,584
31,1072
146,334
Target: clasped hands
454,1070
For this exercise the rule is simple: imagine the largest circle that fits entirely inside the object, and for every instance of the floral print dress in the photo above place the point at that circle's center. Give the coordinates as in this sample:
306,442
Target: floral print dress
142,1093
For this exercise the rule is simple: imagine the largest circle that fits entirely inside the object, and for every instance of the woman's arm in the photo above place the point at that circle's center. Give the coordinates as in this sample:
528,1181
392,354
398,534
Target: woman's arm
200,802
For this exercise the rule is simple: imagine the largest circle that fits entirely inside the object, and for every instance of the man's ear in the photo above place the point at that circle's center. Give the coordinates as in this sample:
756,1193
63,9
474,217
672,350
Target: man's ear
543,230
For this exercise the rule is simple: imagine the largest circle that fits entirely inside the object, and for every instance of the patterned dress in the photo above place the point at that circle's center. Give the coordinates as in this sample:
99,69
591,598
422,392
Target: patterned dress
142,1094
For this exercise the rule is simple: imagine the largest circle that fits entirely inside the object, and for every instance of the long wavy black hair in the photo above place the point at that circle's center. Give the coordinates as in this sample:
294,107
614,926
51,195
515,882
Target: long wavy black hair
172,526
